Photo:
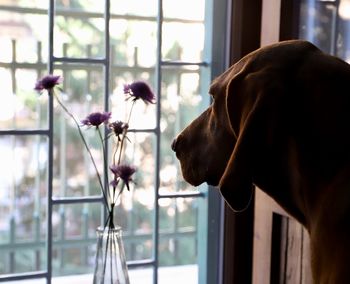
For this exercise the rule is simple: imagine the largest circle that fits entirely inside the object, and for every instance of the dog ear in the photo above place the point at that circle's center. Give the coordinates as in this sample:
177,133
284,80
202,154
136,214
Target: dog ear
247,111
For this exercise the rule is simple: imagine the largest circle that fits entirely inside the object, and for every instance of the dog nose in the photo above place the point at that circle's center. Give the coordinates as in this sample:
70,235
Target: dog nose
173,145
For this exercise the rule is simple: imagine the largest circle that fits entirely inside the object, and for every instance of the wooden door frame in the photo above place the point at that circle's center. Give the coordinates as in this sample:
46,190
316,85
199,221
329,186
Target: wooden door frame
248,24
238,227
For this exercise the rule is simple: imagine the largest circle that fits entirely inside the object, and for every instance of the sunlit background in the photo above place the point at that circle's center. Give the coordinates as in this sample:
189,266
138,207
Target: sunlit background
79,32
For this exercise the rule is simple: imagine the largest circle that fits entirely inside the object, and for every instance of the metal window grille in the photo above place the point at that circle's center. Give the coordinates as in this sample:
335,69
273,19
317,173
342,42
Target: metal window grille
44,134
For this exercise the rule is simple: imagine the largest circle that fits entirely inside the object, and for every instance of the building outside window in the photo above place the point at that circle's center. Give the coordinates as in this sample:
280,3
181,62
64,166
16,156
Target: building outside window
50,203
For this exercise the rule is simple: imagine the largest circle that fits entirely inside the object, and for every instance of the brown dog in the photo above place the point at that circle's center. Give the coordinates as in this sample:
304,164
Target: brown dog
280,119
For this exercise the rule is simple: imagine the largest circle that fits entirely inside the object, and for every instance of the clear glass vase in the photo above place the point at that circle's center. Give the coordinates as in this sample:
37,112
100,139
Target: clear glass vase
110,264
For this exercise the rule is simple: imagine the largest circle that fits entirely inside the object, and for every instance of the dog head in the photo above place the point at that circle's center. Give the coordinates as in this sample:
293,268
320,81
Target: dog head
229,143
208,149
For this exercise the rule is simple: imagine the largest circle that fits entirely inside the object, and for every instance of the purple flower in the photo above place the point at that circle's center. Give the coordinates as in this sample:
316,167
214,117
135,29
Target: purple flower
96,118
140,90
47,83
119,128
124,173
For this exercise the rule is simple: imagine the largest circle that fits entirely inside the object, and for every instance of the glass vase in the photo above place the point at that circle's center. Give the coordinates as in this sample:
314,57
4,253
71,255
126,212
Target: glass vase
110,264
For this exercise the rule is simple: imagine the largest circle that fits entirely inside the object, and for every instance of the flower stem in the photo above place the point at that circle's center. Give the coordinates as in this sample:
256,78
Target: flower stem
104,152
85,144
124,134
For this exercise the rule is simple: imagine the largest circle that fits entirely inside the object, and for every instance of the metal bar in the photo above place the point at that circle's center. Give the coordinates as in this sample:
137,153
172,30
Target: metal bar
158,78
75,13
140,263
49,236
74,200
184,63
106,78
81,60
25,132
83,63
183,195
24,276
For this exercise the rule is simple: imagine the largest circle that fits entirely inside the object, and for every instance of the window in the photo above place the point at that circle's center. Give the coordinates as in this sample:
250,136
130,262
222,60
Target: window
50,205
326,24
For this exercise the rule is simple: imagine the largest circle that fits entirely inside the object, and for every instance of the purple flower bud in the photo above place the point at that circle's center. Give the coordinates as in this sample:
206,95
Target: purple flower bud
96,118
47,83
123,172
118,128
140,90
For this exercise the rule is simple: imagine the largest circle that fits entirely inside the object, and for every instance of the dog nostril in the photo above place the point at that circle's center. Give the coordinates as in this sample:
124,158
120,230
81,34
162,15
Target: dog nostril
173,145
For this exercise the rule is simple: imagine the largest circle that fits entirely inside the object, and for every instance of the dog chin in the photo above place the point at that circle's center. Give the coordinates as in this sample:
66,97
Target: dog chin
193,180
196,180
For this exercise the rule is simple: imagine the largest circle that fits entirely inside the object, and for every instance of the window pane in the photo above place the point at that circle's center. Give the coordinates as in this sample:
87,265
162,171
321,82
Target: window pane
74,174
134,7
20,65
23,198
79,35
184,9
317,23
181,103
24,109
178,231
186,274
134,212
74,233
178,43
142,275
143,115
133,44
80,5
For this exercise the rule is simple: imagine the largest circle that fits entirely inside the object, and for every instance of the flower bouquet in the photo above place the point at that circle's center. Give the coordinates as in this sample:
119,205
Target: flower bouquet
110,258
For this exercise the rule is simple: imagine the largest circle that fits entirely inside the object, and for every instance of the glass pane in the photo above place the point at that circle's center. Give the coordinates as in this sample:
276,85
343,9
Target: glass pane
181,103
343,41
317,24
133,44
134,211
21,63
134,7
178,231
79,35
38,4
184,9
178,274
23,203
178,43
143,115
142,275
24,109
80,5
74,238
74,174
